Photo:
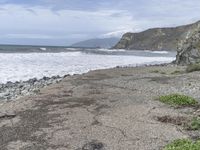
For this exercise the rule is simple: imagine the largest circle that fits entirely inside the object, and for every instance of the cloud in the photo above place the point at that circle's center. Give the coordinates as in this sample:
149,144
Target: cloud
42,36
118,33
43,23
28,36
31,10
70,21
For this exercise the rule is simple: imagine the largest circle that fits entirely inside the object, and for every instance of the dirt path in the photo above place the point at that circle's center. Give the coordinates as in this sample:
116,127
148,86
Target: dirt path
112,109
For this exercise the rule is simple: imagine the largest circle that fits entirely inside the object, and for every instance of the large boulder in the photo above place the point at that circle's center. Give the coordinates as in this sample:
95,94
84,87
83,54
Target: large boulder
189,49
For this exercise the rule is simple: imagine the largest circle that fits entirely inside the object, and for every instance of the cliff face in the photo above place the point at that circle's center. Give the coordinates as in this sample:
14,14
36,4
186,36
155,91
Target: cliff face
189,49
156,39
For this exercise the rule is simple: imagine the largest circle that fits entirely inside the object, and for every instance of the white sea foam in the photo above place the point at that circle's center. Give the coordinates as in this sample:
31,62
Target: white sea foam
111,50
19,66
43,48
71,49
157,52
160,52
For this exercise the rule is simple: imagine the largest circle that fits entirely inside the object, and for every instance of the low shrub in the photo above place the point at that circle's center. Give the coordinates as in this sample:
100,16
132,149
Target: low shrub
178,100
183,144
193,67
194,124
176,72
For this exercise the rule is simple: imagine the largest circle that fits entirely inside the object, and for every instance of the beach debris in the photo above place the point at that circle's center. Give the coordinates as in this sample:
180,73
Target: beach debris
93,145
7,116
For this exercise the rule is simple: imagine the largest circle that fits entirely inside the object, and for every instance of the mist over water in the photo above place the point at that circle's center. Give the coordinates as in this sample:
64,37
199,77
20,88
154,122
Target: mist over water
18,65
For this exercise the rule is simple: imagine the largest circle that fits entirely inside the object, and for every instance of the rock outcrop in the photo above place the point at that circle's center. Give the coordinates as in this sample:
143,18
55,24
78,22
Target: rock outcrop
156,39
189,49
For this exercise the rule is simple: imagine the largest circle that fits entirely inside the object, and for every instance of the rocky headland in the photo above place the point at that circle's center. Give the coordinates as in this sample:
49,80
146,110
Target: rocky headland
189,49
156,38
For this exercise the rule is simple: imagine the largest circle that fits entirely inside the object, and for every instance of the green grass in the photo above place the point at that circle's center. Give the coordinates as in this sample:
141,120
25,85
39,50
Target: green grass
183,144
163,72
178,100
193,67
158,71
194,124
155,71
176,72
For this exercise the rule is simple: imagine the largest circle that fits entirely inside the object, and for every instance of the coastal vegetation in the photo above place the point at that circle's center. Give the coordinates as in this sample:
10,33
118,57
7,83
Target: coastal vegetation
158,71
155,71
176,72
194,124
183,144
178,100
193,67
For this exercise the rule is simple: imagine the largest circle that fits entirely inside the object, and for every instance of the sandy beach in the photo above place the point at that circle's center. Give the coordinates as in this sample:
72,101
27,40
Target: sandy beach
112,109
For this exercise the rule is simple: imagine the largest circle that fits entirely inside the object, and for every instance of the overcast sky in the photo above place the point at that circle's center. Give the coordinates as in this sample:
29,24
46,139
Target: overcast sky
63,22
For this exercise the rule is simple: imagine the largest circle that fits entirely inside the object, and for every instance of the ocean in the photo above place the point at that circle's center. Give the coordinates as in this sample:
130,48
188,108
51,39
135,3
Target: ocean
20,63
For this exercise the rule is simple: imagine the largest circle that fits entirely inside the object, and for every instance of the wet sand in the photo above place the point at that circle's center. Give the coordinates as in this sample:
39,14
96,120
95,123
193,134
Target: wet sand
112,109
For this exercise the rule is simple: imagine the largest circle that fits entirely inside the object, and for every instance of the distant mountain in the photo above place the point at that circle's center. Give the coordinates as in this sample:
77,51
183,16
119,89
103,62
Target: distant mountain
156,38
101,43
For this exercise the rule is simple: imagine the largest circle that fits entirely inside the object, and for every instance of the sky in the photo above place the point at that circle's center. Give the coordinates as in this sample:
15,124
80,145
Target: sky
63,22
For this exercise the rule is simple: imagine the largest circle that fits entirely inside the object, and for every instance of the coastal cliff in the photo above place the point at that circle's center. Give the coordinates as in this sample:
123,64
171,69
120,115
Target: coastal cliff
189,49
156,38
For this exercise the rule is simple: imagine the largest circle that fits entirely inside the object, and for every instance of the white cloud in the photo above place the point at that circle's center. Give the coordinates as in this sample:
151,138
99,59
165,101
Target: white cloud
43,23
118,33
28,36
111,18
18,17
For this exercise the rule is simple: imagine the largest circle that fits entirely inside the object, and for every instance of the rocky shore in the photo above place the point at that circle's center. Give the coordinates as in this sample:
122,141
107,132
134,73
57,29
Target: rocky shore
112,109
19,89
15,90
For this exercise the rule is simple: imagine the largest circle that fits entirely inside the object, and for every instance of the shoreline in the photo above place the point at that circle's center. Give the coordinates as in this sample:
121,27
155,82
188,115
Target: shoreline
112,108
18,89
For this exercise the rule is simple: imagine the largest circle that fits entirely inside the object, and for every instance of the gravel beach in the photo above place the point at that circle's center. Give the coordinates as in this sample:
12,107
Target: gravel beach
15,90
112,109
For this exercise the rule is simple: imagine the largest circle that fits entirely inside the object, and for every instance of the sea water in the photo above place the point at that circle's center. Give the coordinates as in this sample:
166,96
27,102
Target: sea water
36,62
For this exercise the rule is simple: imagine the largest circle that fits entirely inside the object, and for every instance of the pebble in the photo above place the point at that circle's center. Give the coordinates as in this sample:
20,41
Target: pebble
14,90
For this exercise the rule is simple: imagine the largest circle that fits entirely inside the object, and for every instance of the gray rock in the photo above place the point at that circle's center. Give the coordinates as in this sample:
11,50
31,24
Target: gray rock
94,145
189,49
32,86
65,76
